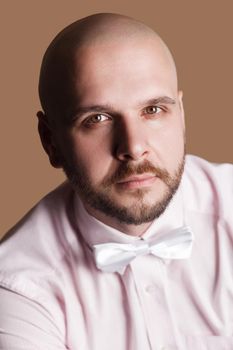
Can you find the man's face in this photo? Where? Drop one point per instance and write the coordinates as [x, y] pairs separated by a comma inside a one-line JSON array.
[[124, 150]]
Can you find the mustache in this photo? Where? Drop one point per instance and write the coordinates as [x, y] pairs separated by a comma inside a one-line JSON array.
[[128, 169]]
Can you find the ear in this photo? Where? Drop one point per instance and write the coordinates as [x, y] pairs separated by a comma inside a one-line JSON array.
[[180, 100], [47, 140]]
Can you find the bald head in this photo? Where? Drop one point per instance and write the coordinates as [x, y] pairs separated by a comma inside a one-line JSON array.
[[61, 60]]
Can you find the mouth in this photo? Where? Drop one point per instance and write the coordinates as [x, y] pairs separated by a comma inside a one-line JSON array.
[[137, 181]]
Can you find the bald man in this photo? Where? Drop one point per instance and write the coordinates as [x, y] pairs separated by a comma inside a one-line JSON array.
[[134, 250]]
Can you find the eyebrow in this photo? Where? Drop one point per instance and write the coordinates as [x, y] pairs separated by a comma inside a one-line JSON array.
[[162, 99], [107, 107]]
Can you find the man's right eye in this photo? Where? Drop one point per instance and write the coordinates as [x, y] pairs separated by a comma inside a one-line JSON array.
[[97, 118]]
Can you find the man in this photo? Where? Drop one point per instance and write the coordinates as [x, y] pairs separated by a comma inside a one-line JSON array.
[[135, 250]]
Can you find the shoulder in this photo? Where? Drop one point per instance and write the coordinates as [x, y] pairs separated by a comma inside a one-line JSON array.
[[207, 169], [208, 186], [32, 252]]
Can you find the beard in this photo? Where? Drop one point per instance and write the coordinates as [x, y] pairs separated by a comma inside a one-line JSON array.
[[100, 197]]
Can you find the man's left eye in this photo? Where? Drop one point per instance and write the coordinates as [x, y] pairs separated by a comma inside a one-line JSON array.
[[153, 110]]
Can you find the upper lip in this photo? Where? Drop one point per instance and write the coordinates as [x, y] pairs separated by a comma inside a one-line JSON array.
[[137, 178]]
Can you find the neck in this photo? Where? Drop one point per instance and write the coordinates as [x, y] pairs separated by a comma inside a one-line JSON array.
[[128, 229]]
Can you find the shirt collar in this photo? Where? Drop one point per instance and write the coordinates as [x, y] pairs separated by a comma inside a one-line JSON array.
[[96, 232]]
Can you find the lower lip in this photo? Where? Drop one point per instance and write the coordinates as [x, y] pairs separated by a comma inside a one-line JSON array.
[[130, 185]]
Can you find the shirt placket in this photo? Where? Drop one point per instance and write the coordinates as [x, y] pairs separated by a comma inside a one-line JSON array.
[[149, 274]]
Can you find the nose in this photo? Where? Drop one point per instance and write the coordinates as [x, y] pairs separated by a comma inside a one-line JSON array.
[[131, 141]]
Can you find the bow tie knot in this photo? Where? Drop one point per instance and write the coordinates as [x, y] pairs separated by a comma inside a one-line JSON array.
[[114, 257], [140, 248]]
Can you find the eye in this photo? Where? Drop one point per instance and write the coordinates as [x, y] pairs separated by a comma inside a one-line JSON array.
[[97, 118], [153, 110]]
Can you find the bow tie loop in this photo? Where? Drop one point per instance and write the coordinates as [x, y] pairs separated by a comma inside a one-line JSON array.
[[114, 257]]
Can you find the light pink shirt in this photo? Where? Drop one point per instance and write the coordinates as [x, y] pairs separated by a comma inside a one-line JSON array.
[[52, 296]]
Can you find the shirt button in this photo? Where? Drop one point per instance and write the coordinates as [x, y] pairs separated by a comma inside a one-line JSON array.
[[150, 289]]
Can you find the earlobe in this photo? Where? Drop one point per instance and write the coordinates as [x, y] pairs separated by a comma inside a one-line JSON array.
[[47, 139]]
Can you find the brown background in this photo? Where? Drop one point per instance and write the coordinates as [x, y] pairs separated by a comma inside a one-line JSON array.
[[199, 34]]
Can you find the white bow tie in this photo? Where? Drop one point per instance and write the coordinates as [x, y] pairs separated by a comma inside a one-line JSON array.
[[114, 257]]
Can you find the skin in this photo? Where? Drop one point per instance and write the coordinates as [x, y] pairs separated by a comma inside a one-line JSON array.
[[120, 130]]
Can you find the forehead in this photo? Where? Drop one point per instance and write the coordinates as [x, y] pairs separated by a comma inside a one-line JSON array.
[[106, 71]]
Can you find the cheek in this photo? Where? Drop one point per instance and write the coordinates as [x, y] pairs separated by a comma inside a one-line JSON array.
[[171, 146], [92, 155], [176, 147]]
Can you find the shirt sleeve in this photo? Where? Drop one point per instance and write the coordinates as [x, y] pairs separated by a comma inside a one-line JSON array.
[[26, 325]]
